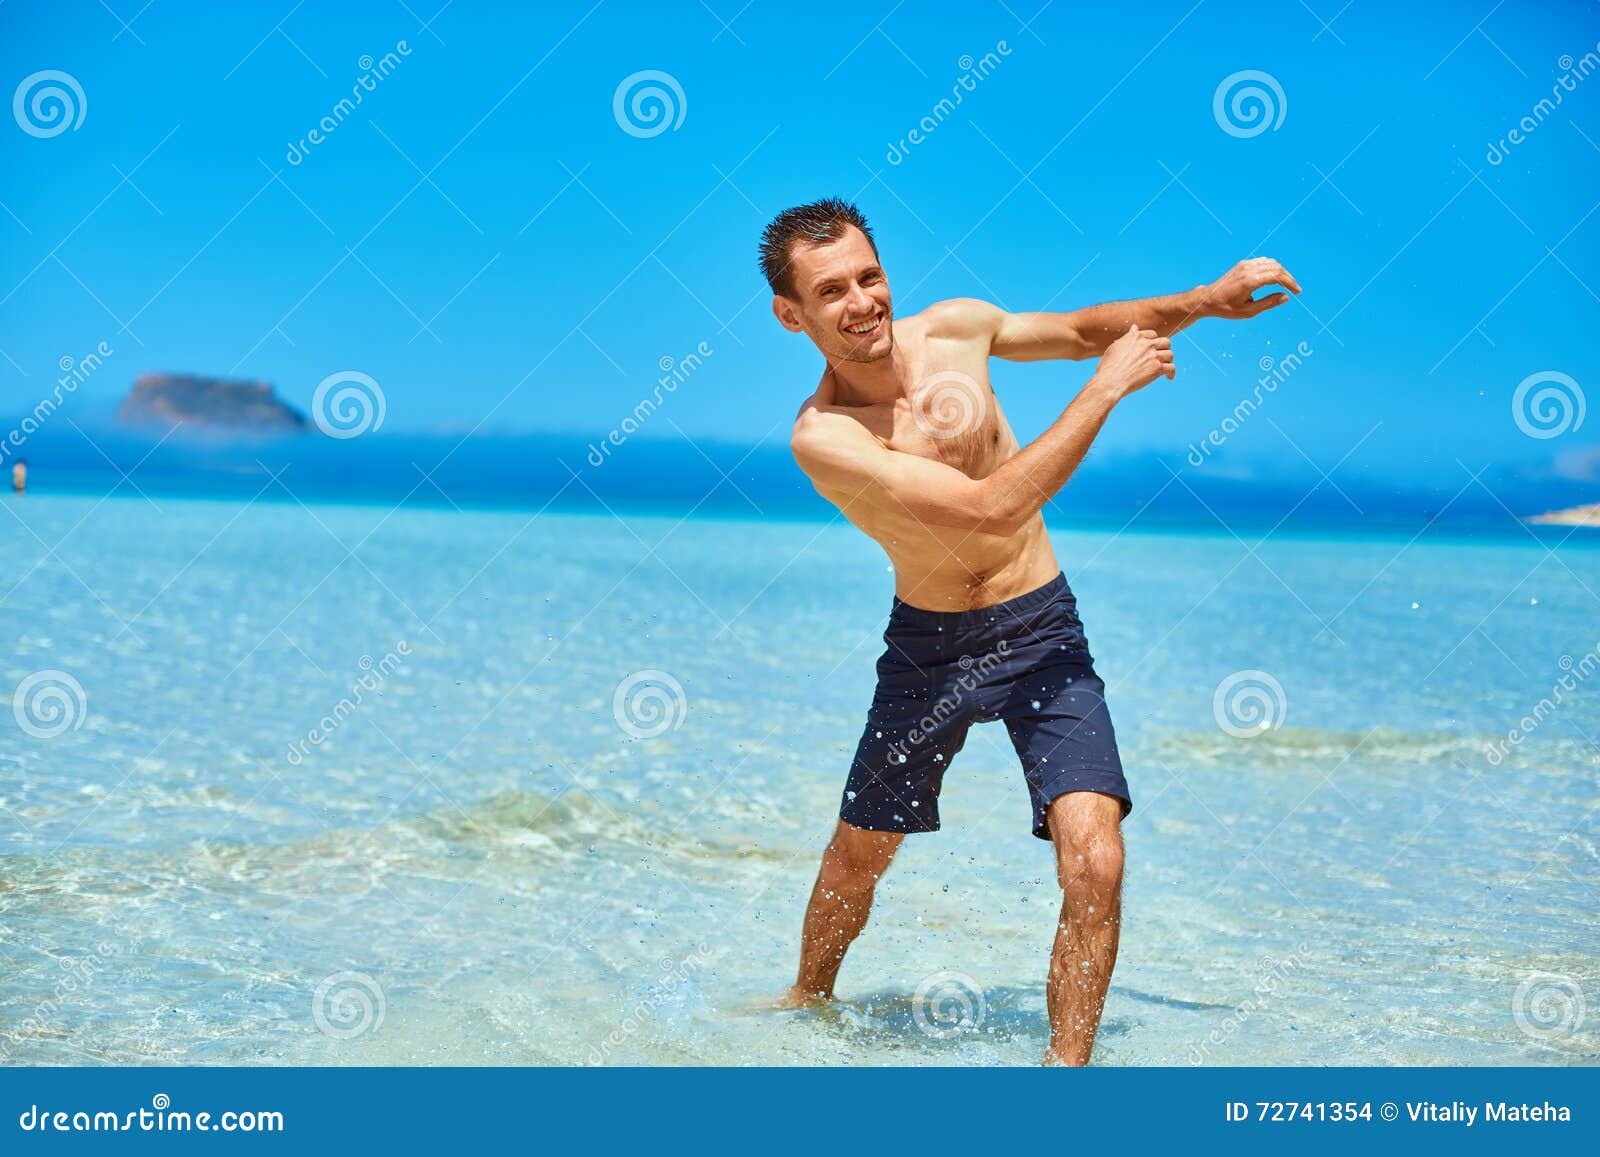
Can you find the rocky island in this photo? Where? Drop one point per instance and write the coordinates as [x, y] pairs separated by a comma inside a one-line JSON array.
[[213, 405], [1576, 516]]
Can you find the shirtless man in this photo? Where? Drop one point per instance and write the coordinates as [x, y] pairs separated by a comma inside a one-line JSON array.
[[906, 438]]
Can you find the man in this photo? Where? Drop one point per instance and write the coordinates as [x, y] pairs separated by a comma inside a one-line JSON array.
[[906, 438]]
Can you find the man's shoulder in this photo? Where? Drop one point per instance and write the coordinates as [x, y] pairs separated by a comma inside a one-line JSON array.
[[961, 318], [818, 423]]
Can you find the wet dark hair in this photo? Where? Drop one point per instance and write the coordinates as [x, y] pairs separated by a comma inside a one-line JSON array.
[[814, 224]]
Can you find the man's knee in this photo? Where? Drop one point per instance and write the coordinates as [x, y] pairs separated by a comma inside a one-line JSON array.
[[1086, 828], [857, 858]]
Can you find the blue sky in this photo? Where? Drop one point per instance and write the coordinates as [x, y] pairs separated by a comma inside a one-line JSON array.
[[484, 239]]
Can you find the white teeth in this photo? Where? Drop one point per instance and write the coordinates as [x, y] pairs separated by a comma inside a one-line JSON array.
[[865, 328]]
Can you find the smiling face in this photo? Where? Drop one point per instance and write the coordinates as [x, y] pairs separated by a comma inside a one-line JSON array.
[[841, 299]]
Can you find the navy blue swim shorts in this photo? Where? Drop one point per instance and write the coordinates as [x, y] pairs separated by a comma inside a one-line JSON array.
[[1024, 661]]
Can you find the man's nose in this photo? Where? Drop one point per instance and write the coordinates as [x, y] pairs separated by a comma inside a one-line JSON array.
[[861, 301]]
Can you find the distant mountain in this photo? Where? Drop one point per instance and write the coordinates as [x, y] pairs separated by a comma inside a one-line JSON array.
[[209, 404]]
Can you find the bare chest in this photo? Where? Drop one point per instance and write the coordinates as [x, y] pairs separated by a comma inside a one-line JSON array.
[[949, 415]]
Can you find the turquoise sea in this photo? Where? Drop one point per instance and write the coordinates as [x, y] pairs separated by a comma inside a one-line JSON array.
[[339, 784]]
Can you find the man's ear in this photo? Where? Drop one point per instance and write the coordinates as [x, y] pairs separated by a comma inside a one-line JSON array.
[[783, 310]]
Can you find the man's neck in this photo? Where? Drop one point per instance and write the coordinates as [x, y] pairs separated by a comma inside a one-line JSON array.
[[876, 383]]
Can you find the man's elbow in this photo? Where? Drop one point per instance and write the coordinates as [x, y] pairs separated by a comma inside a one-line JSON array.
[[991, 512]]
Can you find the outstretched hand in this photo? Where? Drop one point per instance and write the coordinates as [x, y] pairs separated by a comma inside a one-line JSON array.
[[1233, 294]]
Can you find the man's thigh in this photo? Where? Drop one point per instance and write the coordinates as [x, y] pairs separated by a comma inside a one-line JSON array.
[[1061, 729]]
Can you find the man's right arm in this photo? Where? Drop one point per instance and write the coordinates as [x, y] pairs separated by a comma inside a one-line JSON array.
[[841, 457]]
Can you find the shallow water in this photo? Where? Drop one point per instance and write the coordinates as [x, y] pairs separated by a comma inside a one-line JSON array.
[[478, 864]]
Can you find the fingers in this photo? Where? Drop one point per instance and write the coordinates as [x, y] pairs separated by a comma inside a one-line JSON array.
[[1261, 271], [1271, 301]]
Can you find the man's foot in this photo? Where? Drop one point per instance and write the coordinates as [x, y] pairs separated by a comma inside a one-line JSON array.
[[798, 997]]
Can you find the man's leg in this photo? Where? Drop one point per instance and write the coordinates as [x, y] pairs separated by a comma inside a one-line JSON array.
[[854, 862], [1086, 829]]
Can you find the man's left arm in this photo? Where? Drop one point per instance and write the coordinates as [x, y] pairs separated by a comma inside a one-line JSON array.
[[1085, 333]]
